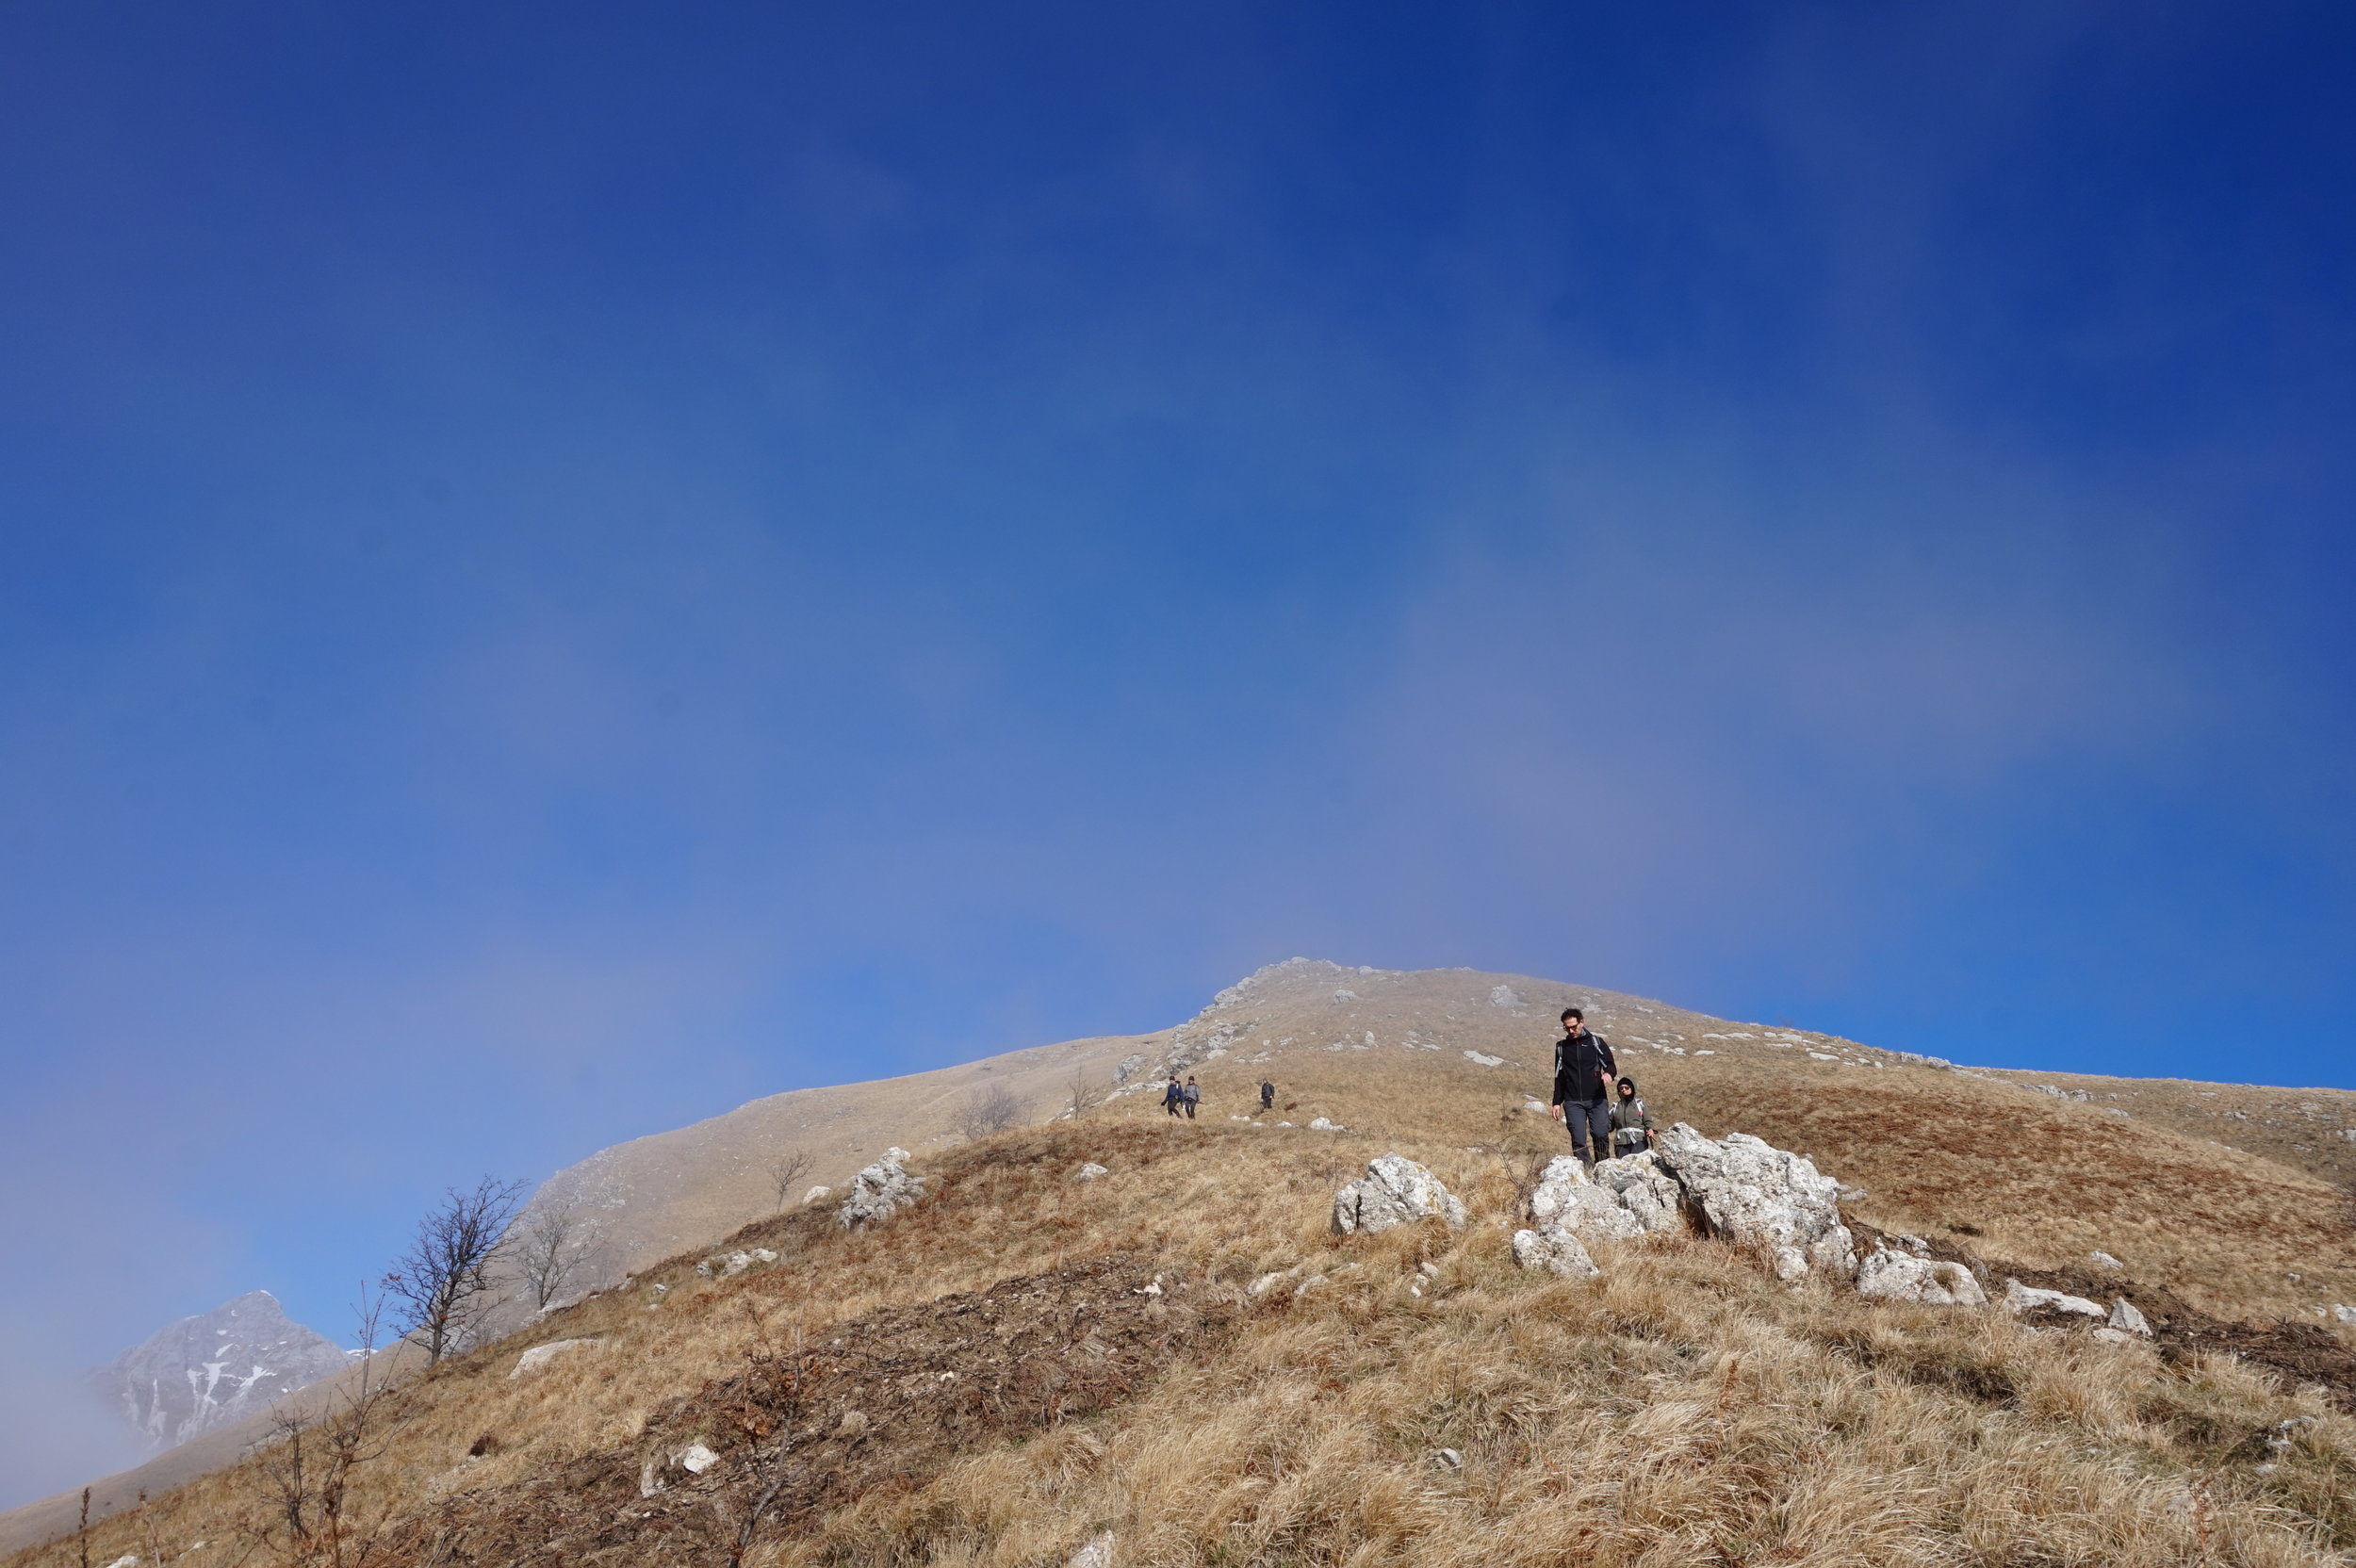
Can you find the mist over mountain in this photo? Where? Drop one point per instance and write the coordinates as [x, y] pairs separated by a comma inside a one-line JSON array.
[[217, 1367]]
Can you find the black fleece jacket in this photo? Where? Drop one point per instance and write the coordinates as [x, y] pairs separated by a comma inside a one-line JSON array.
[[1579, 1063]]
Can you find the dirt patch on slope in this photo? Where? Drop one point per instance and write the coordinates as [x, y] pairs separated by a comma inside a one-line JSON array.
[[877, 1406]]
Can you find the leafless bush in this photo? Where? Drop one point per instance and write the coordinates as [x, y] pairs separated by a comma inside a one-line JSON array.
[[552, 1247], [992, 1112], [442, 1281], [306, 1467], [786, 1172], [782, 1374], [1083, 1094]]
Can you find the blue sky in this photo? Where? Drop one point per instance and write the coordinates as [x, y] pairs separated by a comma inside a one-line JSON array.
[[562, 568]]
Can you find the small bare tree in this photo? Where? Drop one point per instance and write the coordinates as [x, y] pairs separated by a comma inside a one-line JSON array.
[[552, 1246], [786, 1172], [441, 1282], [1083, 1094], [992, 1112], [308, 1466]]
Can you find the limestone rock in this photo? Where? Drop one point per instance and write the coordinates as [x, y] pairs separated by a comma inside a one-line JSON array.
[[728, 1265], [1394, 1191], [540, 1355], [2103, 1260], [1761, 1197], [1889, 1276], [1090, 1172], [2345, 1316], [1650, 1195], [1556, 1249], [1320, 1124], [816, 1193], [2127, 1319], [880, 1191], [694, 1459], [2020, 1298], [1098, 1553]]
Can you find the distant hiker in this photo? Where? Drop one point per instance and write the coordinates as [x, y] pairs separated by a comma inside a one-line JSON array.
[[1632, 1124], [1173, 1096], [1193, 1096], [1583, 1070], [1267, 1095]]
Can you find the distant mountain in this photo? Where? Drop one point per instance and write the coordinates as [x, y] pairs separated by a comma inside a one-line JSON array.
[[217, 1367]]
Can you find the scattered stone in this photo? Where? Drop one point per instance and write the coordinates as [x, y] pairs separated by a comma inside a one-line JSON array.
[[1267, 1283], [1756, 1195], [1890, 1275], [1394, 1191], [2103, 1260], [816, 1193], [2345, 1316], [1555, 1249], [1449, 1458], [1098, 1553], [880, 1191], [2020, 1298], [728, 1265], [2125, 1318], [1538, 1105], [694, 1459], [540, 1355], [1320, 1124], [1484, 1059], [2109, 1335], [650, 1480], [1090, 1172], [1502, 996], [128, 1559], [852, 1427]]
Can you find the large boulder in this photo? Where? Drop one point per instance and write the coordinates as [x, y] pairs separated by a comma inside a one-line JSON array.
[[1892, 1276], [1554, 1250], [880, 1191], [1756, 1195], [1395, 1191], [1568, 1198]]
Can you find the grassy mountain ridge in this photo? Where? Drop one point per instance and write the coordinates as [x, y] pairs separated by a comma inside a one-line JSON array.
[[1685, 1405]]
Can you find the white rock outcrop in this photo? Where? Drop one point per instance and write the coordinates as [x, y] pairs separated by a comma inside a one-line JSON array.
[[1320, 1124], [1090, 1172], [1756, 1195], [816, 1193], [1891, 1276], [1556, 1250], [728, 1265], [1620, 1200], [880, 1191], [2344, 1315], [2020, 1298], [540, 1355], [1395, 1191], [2126, 1319]]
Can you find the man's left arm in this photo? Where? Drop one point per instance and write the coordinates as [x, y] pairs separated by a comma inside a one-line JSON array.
[[1610, 1063]]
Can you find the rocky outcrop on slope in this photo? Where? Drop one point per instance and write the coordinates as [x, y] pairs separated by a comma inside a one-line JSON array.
[[1755, 1195], [880, 1191], [1395, 1191], [1887, 1275], [217, 1368]]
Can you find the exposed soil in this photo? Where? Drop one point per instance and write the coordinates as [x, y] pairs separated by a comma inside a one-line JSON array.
[[879, 1407]]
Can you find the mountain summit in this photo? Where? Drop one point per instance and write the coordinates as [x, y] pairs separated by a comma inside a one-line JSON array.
[[217, 1368]]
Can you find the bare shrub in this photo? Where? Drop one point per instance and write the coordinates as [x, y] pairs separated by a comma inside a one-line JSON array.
[[991, 1112], [1082, 1094], [552, 1247], [441, 1282], [786, 1172], [306, 1470]]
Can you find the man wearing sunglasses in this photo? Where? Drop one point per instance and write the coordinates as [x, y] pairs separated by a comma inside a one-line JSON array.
[[1583, 1073]]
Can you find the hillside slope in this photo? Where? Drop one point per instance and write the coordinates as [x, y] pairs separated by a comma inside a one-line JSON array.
[[1020, 1383]]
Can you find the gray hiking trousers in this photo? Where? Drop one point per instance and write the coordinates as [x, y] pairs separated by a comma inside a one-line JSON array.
[[1589, 1127]]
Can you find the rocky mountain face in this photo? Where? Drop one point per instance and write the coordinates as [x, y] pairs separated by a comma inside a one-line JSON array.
[[217, 1368]]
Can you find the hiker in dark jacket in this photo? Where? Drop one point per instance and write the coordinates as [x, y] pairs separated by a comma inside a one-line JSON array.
[[1267, 1095], [1173, 1096], [1583, 1072], [1193, 1096], [1632, 1124]]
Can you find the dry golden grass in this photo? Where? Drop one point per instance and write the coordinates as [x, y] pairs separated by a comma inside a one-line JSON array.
[[1686, 1407]]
